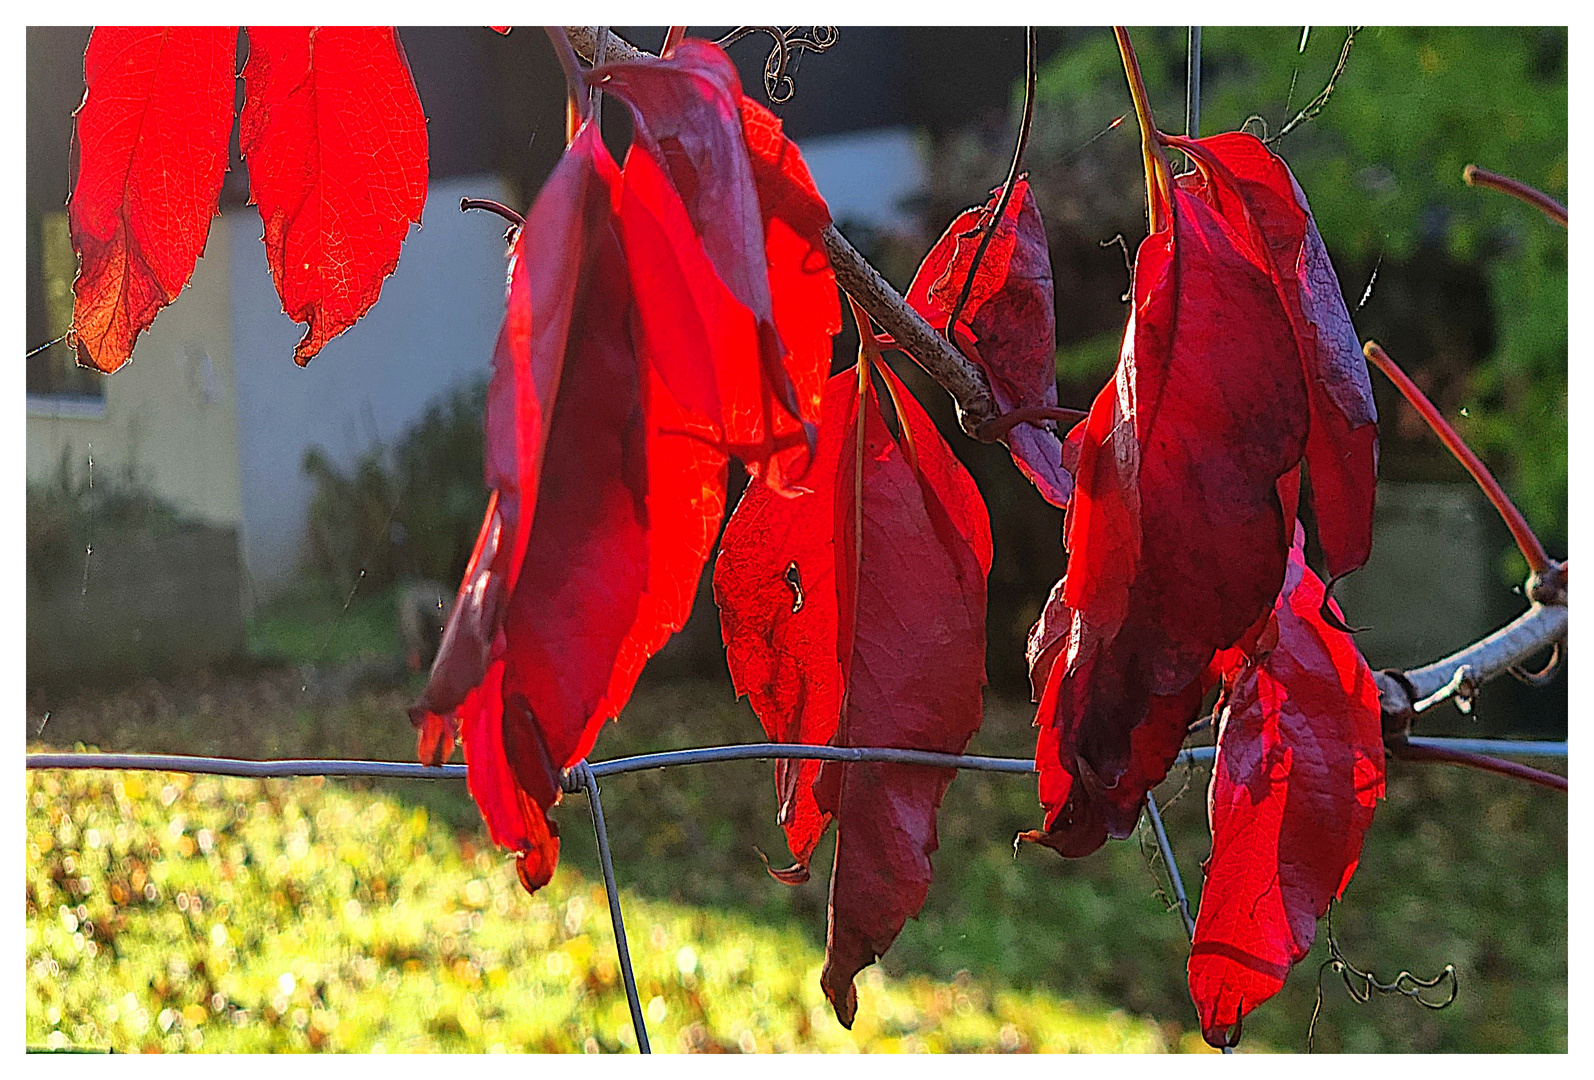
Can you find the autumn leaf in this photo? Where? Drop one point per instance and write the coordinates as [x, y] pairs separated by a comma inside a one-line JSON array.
[[566, 242], [1300, 767], [1253, 189], [335, 140], [802, 285], [608, 490], [854, 615], [1176, 532], [152, 138], [688, 119], [1007, 324]]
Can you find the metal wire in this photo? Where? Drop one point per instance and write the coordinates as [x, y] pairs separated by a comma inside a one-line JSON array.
[[401, 770], [1173, 865], [583, 776]]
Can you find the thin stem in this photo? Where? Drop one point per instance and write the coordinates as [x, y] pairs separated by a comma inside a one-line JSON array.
[[673, 36], [1159, 177], [577, 104], [496, 207], [988, 230], [1406, 751], [1538, 559], [1315, 106], [1476, 177], [997, 428]]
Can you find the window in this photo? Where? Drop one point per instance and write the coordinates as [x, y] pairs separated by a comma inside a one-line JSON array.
[[54, 371]]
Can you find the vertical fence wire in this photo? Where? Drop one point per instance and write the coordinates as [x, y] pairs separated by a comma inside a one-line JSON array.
[[1173, 866], [582, 776]]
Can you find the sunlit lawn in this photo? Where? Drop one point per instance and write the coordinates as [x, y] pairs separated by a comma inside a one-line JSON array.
[[169, 912], [398, 926]]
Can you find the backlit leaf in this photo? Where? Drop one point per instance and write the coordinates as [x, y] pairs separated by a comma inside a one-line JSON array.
[[152, 150], [854, 615], [335, 140], [1008, 323], [1300, 767]]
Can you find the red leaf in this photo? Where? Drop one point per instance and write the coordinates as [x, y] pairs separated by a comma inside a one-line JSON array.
[[152, 137], [1253, 189], [802, 286], [1176, 534], [607, 494], [814, 626], [567, 238], [1300, 767], [688, 121], [1008, 323], [336, 144]]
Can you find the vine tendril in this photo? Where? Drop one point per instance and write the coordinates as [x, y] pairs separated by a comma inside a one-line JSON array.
[[778, 85], [1362, 985]]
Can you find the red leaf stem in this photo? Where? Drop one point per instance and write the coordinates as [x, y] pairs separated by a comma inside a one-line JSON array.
[[1538, 559], [1476, 177], [1408, 751]]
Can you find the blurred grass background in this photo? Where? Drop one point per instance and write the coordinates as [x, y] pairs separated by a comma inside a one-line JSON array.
[[398, 926]]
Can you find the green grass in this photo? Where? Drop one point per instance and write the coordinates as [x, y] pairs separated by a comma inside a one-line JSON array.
[[310, 625], [172, 913], [1459, 867]]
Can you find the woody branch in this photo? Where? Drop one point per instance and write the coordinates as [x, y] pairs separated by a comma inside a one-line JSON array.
[[1543, 625]]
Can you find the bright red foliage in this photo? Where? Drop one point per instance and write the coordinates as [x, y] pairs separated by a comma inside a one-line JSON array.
[[1299, 769], [1238, 363], [152, 139], [689, 120], [1176, 536], [1253, 189], [622, 353], [854, 615], [1008, 323], [566, 232], [336, 144]]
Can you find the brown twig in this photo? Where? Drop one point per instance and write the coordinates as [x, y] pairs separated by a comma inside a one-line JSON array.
[[990, 227], [1538, 560], [1404, 750], [1159, 176], [1530, 633], [959, 375], [1476, 177]]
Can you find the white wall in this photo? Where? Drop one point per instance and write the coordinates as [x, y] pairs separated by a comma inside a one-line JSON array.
[[867, 176], [433, 327]]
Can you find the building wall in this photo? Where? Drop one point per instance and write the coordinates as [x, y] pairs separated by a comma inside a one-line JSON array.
[[434, 326], [168, 419]]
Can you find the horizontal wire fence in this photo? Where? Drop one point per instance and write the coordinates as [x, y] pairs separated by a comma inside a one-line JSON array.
[[583, 777]]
